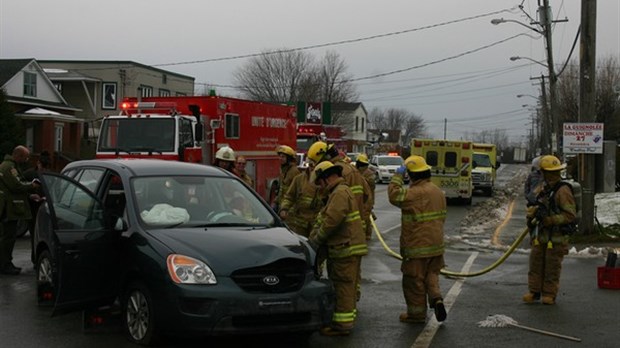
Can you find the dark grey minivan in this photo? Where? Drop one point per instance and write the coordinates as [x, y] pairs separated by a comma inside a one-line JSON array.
[[183, 248]]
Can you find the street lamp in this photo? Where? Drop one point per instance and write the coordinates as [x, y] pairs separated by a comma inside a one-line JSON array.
[[497, 21], [546, 20], [513, 58]]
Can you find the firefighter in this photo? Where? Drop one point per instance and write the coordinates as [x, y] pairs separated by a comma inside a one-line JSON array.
[[240, 163], [288, 171], [302, 203], [423, 213], [551, 221], [363, 166], [533, 181], [225, 158], [320, 152], [339, 229]]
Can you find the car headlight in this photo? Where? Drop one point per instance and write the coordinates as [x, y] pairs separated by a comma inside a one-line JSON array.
[[187, 270]]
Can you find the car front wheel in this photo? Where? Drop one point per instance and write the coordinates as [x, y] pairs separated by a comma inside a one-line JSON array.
[[45, 279], [139, 315]]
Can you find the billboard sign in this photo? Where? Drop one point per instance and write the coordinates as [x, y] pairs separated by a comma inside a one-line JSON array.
[[583, 138]]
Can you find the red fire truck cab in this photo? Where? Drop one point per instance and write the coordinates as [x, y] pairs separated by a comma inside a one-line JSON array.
[[192, 129]]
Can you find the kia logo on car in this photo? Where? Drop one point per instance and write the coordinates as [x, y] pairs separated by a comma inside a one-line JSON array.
[[271, 280]]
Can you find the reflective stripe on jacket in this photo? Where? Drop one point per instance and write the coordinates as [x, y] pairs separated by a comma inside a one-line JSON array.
[[339, 224], [423, 213]]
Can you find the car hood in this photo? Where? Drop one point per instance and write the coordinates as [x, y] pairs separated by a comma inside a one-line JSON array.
[[228, 249]]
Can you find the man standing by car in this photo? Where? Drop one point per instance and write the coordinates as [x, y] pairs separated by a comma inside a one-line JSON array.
[[423, 208], [339, 228], [14, 204]]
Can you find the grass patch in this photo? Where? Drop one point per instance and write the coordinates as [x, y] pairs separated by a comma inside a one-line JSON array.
[[608, 234]]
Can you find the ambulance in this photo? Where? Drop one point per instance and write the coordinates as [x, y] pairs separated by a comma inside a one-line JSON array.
[[451, 162], [485, 167]]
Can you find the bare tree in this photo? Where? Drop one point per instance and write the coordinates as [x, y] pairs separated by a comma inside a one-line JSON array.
[[607, 94], [280, 77], [277, 77], [410, 124], [495, 136]]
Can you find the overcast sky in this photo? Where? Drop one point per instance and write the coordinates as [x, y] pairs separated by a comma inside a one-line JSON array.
[[441, 59]]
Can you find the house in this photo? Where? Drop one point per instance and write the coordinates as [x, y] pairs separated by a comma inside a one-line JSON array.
[[354, 118], [98, 87], [50, 121]]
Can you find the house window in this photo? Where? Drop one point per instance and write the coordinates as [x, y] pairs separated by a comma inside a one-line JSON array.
[[109, 95], [146, 91], [30, 84], [164, 92], [232, 126], [357, 120], [363, 124], [58, 137], [164, 79]]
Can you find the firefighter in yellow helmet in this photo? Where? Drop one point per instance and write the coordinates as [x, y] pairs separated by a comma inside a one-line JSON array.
[[338, 227], [288, 171], [225, 158], [423, 213], [301, 203], [550, 225], [319, 152], [362, 164]]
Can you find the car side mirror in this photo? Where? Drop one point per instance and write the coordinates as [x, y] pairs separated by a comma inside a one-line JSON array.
[[497, 165], [474, 164]]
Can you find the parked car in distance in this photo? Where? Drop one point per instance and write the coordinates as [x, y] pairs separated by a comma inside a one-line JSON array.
[[386, 166], [183, 248]]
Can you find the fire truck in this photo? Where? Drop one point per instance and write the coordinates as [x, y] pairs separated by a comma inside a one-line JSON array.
[[451, 163], [192, 129]]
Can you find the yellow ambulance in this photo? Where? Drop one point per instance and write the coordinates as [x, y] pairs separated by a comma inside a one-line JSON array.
[[485, 167], [451, 162]]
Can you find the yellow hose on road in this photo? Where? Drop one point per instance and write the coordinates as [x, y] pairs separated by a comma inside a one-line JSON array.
[[445, 272]]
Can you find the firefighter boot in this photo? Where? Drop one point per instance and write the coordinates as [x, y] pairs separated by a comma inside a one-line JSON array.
[[440, 310], [531, 297], [406, 318], [548, 300], [332, 331]]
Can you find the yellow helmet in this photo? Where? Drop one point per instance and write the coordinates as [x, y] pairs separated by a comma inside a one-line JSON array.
[[225, 153], [362, 158], [551, 163], [416, 164], [317, 151], [287, 150], [323, 170]]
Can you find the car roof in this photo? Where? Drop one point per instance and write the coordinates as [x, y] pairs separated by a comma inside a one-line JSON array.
[[145, 167]]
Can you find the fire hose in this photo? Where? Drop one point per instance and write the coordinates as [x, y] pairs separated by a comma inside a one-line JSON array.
[[455, 274]]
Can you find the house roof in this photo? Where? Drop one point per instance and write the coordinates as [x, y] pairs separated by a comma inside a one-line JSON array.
[[347, 106], [10, 68], [126, 63], [67, 75]]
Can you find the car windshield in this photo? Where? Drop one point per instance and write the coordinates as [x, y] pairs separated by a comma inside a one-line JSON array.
[[191, 201], [390, 161], [482, 160]]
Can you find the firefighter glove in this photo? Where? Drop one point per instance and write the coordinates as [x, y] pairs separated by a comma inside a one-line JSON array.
[[531, 211], [401, 170], [531, 223]]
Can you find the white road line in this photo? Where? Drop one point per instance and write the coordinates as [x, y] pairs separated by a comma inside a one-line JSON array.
[[426, 336]]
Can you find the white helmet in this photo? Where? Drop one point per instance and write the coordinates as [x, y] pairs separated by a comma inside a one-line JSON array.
[[225, 153], [536, 163]]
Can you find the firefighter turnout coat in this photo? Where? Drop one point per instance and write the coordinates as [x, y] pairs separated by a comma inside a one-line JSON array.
[[302, 202], [423, 207]]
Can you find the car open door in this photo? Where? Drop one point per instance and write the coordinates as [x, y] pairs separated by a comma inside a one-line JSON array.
[[86, 247]]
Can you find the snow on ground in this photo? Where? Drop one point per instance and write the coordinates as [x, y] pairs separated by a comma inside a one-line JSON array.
[[478, 226]]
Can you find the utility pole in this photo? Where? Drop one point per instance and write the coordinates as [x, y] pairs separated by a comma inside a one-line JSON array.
[[546, 20], [587, 108]]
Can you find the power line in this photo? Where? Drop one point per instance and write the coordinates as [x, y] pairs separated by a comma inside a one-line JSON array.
[[336, 43]]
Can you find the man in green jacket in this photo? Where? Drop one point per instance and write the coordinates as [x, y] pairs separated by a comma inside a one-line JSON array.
[[14, 204]]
